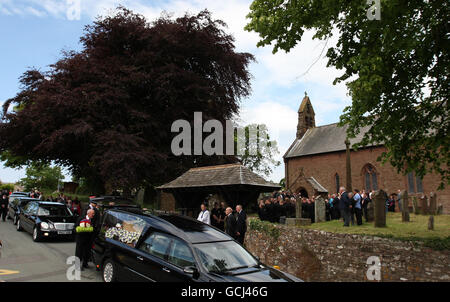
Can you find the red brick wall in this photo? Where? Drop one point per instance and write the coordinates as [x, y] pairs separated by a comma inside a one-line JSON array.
[[323, 168]]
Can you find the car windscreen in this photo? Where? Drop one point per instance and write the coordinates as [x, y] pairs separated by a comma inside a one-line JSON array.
[[50, 210], [220, 257]]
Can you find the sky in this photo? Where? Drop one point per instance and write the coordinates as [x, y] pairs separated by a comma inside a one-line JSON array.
[[34, 32]]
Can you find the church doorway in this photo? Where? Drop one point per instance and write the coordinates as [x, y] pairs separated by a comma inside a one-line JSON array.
[[303, 192]]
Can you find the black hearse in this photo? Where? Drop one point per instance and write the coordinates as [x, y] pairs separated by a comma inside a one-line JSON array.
[[138, 246], [44, 219]]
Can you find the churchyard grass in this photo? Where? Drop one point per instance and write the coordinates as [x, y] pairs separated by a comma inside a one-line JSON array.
[[395, 228]]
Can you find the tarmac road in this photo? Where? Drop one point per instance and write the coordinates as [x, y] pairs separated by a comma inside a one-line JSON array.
[[21, 259]]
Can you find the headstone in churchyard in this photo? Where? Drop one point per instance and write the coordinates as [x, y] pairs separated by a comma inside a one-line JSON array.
[[440, 209], [431, 223], [415, 206], [298, 207], [405, 207], [140, 197], [319, 209], [424, 205], [298, 220], [380, 208], [433, 200]]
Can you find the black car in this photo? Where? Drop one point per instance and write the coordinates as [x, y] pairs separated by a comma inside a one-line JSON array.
[[15, 206], [135, 246], [44, 219]]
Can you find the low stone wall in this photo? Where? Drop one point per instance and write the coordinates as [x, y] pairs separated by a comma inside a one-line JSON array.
[[323, 256]]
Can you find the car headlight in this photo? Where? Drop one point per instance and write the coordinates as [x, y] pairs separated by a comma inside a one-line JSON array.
[[44, 225]]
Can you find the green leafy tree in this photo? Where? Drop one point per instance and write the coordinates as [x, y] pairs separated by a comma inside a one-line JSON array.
[[396, 69], [42, 177], [8, 187], [257, 152], [283, 183]]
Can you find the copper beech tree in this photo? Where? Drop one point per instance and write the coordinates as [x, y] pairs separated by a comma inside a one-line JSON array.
[[105, 112]]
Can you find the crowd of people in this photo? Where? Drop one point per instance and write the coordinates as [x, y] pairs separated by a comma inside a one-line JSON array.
[[234, 223], [342, 205]]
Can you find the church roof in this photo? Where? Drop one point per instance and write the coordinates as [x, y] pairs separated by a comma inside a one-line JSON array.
[[323, 139], [221, 175], [316, 185]]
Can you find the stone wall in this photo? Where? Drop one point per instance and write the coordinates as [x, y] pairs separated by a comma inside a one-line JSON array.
[[322, 256], [323, 168]]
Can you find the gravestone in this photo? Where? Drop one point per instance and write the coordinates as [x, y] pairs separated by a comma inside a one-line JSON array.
[[405, 206], [424, 205], [440, 209], [298, 207], [380, 208], [431, 223], [433, 208], [415, 206], [298, 220], [319, 209]]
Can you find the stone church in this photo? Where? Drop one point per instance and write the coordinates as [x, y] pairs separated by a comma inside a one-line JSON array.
[[315, 163]]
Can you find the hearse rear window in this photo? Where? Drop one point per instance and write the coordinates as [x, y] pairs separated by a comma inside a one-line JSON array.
[[123, 227]]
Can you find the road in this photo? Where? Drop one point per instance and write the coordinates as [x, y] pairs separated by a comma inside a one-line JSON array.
[[21, 259]]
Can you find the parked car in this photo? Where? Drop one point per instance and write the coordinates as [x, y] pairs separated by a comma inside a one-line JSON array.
[[16, 205], [134, 246], [19, 194], [44, 219]]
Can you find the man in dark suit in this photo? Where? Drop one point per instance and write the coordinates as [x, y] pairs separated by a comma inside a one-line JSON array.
[[230, 222], [4, 205], [345, 205], [241, 224], [84, 238], [96, 219]]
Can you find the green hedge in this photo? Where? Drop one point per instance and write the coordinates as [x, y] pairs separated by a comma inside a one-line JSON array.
[[264, 227]]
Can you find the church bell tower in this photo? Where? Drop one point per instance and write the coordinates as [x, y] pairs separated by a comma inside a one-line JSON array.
[[306, 119]]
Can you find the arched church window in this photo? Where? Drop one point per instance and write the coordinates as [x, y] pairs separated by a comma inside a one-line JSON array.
[[370, 178], [414, 183]]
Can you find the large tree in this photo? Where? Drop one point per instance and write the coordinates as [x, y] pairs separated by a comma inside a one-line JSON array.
[[396, 68], [106, 111]]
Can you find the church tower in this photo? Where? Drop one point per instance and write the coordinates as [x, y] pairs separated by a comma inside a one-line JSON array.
[[306, 118]]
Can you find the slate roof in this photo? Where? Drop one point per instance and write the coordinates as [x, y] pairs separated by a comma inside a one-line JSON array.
[[221, 175], [323, 139], [316, 185]]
